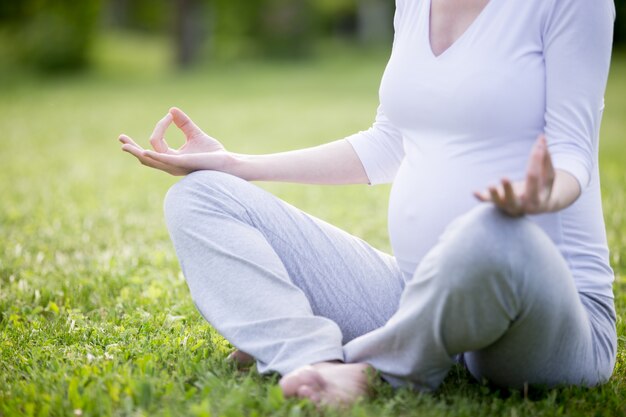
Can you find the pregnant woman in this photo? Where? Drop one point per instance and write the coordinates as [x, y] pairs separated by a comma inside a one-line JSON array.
[[488, 127]]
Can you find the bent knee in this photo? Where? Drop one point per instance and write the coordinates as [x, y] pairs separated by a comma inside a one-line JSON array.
[[488, 225], [486, 232], [484, 243], [178, 198], [201, 192]]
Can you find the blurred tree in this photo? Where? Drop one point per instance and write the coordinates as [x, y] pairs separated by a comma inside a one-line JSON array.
[[368, 21], [51, 35], [118, 12], [188, 31], [144, 15], [336, 17], [375, 20], [271, 28], [185, 20], [285, 28], [236, 27]]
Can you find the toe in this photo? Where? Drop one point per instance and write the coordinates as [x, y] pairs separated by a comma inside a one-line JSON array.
[[306, 391], [290, 384], [305, 376]]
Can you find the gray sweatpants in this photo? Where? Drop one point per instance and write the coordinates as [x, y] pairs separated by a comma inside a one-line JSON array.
[[292, 290]]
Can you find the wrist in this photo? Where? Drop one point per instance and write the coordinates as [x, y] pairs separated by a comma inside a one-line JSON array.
[[241, 166]]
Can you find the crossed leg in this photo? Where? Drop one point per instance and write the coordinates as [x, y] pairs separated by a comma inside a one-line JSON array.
[[282, 286], [497, 290]]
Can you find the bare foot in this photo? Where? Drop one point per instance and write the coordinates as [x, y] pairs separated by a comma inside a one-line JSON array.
[[240, 359], [331, 383]]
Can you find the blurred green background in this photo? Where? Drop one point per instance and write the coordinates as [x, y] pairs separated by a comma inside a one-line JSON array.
[[95, 316], [62, 35]]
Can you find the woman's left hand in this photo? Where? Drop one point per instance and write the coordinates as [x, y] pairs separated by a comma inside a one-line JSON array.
[[532, 196]]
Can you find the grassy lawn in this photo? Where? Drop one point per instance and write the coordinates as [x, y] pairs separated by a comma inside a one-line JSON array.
[[95, 316]]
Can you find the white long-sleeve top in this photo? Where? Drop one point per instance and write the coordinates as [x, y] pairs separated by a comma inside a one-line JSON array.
[[456, 123]]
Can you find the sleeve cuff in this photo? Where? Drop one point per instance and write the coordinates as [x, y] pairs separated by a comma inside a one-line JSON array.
[[361, 143], [575, 167]]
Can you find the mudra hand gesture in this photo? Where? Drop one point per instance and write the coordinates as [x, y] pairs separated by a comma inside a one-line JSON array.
[[536, 194], [200, 150]]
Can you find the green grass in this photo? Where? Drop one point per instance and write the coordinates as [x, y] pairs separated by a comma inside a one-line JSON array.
[[95, 316]]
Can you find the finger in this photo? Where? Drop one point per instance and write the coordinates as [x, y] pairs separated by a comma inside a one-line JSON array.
[[482, 196], [133, 150], [496, 198], [127, 140], [184, 123], [138, 153], [189, 162], [509, 194], [179, 161], [510, 198], [157, 139]]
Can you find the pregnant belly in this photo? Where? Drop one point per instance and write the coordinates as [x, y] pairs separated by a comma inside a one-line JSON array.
[[424, 200]]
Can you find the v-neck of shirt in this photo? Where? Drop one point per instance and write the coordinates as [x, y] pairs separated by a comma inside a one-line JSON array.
[[466, 33]]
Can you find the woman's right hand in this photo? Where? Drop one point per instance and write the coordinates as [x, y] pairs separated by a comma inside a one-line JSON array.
[[332, 163], [200, 151]]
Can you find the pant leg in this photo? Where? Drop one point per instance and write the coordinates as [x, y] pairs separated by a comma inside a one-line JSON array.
[[497, 290], [279, 284]]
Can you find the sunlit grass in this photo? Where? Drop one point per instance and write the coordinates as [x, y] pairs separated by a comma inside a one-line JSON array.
[[95, 317]]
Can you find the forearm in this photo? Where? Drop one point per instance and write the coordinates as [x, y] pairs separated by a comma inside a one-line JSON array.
[[331, 163], [565, 191]]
